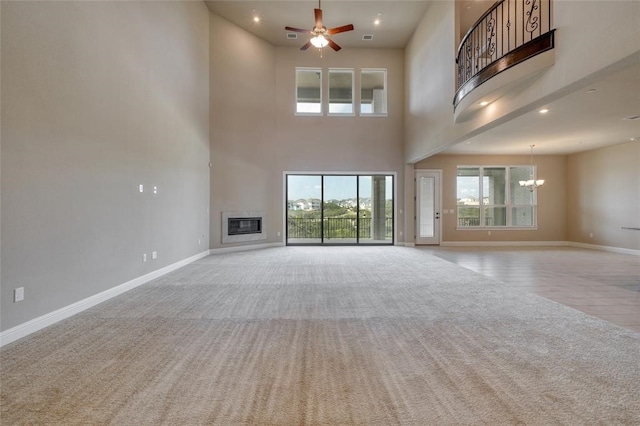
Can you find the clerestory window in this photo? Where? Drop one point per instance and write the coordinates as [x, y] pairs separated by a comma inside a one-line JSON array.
[[339, 87]]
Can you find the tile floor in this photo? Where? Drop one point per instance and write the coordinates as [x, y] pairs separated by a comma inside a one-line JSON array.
[[603, 284]]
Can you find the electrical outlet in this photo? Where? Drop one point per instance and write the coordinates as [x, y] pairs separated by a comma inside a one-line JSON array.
[[154, 255], [141, 188], [278, 234], [488, 232], [591, 234], [18, 294], [144, 257]]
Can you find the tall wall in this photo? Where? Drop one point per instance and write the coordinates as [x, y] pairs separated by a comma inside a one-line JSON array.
[[97, 99], [255, 136], [430, 81], [243, 125], [340, 144], [604, 196], [551, 198]]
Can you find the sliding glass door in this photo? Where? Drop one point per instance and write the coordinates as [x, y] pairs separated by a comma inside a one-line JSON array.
[[339, 209]]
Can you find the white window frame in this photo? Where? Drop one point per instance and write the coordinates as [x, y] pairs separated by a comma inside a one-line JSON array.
[[508, 204], [386, 92]]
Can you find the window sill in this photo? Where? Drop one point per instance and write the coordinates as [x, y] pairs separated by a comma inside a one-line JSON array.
[[373, 115], [308, 114]]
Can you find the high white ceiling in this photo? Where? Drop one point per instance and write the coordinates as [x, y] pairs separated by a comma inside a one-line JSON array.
[[398, 19], [583, 120]]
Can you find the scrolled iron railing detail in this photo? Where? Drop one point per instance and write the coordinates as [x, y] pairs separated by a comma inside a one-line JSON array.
[[508, 33], [532, 20], [491, 31]]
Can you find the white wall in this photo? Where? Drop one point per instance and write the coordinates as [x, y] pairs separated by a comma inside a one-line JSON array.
[[98, 98], [430, 83]]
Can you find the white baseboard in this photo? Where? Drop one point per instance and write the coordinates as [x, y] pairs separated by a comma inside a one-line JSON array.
[[408, 244], [606, 248], [503, 243], [244, 248], [51, 318]]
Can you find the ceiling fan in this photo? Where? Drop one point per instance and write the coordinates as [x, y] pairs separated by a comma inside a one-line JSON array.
[[320, 34]]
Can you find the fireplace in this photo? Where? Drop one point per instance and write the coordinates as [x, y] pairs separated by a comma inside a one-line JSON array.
[[243, 226]]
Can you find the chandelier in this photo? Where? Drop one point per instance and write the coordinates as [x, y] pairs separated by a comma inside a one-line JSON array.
[[532, 184]]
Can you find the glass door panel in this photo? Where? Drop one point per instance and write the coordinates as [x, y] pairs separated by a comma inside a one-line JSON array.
[[340, 209], [426, 187], [427, 207], [304, 212]]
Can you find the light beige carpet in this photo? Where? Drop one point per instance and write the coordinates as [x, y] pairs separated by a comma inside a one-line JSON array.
[[324, 336]]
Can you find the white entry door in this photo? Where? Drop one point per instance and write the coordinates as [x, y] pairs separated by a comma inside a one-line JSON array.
[[428, 206]]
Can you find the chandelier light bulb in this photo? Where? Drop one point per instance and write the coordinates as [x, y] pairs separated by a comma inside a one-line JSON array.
[[531, 184]]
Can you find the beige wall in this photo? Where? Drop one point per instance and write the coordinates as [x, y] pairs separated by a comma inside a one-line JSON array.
[[98, 98], [604, 196], [255, 136], [552, 217], [243, 125]]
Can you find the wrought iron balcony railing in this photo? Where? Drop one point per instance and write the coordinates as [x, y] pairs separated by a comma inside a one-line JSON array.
[[510, 32], [333, 227]]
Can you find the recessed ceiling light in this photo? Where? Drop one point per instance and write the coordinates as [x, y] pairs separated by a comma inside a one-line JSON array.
[[377, 21], [543, 111], [635, 138], [484, 103], [256, 19], [633, 117], [591, 90]]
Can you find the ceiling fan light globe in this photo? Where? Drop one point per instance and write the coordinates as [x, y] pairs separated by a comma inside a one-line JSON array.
[[319, 41]]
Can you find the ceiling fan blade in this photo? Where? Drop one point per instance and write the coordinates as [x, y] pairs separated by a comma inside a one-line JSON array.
[[318, 16], [306, 46], [297, 30], [340, 29], [333, 45]]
